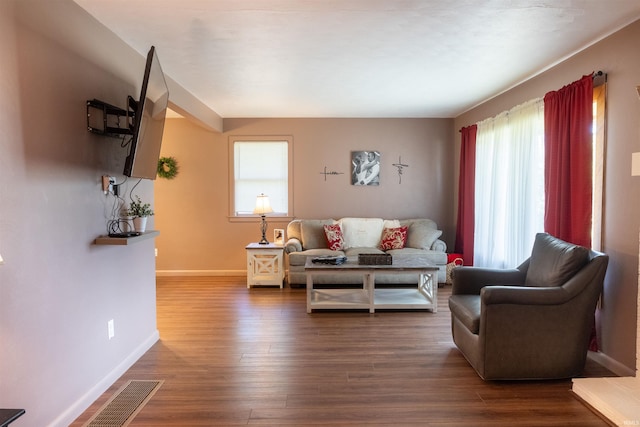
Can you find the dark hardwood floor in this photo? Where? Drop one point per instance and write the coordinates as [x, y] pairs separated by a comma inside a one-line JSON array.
[[233, 356]]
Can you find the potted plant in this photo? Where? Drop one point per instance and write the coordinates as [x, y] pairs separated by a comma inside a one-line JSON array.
[[140, 212]]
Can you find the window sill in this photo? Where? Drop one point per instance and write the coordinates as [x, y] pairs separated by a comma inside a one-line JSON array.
[[255, 218]]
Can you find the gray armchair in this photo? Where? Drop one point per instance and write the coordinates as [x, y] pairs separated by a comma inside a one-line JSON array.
[[531, 322]]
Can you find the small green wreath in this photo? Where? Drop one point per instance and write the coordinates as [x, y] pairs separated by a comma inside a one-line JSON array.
[[167, 167]]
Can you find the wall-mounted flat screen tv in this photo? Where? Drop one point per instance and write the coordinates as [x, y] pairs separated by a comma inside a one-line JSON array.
[[148, 121]]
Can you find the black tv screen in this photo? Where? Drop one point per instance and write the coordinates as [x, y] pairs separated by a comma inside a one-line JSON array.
[[148, 122]]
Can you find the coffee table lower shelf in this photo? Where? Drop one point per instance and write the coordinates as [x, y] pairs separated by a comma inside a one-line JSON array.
[[355, 299], [422, 297], [336, 299], [401, 298]]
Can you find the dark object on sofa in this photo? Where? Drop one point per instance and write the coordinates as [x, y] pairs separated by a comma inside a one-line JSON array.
[[333, 260], [531, 322]]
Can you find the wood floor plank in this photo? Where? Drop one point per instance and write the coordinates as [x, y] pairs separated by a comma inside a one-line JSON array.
[[235, 356]]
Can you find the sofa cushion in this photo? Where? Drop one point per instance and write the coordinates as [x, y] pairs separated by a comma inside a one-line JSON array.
[[335, 239], [361, 232], [422, 234], [294, 230], [437, 258], [554, 261], [466, 308], [393, 238], [312, 231], [354, 252]]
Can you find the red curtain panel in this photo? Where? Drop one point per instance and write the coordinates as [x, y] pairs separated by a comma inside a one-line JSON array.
[[466, 194], [568, 121]]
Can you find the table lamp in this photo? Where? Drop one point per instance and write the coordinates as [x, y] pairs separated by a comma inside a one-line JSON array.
[[263, 207]]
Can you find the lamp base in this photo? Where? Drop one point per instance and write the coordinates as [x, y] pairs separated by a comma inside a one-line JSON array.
[[263, 228]]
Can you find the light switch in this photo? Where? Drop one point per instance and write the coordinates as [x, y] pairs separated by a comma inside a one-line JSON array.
[[1, 260], [635, 164]]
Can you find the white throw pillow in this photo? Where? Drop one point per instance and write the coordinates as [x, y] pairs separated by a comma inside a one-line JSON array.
[[391, 223], [362, 232]]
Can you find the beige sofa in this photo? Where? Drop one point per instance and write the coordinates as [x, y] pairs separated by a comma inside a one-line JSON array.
[[307, 238]]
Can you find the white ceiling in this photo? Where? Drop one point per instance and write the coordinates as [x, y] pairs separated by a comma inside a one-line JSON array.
[[357, 58]]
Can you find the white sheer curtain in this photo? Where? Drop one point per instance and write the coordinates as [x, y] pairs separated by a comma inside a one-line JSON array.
[[509, 185]]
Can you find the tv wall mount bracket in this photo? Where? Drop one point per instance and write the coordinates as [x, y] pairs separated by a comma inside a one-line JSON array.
[[109, 120]]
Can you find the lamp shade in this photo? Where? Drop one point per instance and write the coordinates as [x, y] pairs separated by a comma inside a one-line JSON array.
[[262, 205]]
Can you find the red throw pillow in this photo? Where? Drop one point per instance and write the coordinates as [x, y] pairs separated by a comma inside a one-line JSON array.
[[393, 238], [335, 238]]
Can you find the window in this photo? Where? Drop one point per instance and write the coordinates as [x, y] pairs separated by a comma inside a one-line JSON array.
[[599, 114], [260, 165], [509, 190]]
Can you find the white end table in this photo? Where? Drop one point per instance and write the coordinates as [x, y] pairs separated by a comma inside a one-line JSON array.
[[264, 265]]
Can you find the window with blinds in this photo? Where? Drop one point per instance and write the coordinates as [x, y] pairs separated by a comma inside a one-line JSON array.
[[261, 165]]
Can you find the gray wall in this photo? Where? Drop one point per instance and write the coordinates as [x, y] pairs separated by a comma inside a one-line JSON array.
[[57, 289]]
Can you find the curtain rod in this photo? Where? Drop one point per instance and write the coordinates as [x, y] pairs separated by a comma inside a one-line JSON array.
[[599, 78]]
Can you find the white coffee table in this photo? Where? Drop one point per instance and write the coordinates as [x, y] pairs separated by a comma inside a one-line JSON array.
[[331, 297]]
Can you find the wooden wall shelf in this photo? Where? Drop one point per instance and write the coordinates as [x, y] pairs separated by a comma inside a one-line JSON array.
[[123, 241]]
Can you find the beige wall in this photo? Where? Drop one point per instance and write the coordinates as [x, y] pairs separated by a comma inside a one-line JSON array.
[[192, 210], [618, 57]]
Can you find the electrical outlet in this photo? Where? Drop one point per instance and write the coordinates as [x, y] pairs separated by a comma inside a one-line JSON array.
[[635, 164], [111, 329], [107, 183]]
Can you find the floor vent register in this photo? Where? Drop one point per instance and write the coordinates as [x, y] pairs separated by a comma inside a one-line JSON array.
[[121, 409]]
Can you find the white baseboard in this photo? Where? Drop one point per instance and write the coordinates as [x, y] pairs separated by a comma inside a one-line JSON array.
[[611, 364], [201, 273], [81, 405]]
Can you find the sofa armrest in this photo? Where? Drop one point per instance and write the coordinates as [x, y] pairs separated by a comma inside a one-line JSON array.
[[471, 280], [523, 295], [293, 245], [439, 246]]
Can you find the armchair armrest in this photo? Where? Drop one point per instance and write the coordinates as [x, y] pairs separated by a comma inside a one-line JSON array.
[[471, 280], [293, 245], [523, 295]]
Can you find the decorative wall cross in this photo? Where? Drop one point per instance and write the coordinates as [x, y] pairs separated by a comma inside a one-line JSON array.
[[400, 166], [326, 172]]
